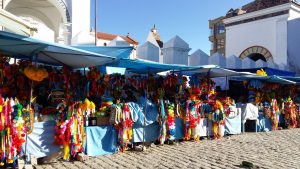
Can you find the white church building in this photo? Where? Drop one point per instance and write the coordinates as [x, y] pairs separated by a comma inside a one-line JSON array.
[[267, 30], [63, 21]]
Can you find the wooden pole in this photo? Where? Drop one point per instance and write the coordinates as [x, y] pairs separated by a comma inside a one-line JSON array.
[[95, 22]]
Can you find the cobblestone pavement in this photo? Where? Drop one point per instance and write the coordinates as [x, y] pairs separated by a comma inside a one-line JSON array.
[[277, 149]]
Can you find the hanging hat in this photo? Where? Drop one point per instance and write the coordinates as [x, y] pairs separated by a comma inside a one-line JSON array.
[[106, 101], [266, 104]]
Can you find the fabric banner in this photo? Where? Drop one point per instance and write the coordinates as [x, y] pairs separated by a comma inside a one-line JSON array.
[[139, 114], [40, 142], [100, 140], [152, 131], [263, 123], [233, 125]]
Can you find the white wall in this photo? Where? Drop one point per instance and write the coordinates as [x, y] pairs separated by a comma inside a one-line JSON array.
[[175, 56], [294, 41], [49, 16], [198, 58], [80, 21], [270, 33], [100, 42], [44, 33], [148, 51]]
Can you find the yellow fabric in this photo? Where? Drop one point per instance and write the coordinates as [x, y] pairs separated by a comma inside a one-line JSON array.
[[66, 152]]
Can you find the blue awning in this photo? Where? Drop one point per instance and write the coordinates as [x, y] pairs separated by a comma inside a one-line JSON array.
[[294, 79], [269, 71], [27, 48], [114, 51], [144, 66], [270, 79]]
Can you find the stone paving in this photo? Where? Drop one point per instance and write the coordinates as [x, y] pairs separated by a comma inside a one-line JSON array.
[[277, 149]]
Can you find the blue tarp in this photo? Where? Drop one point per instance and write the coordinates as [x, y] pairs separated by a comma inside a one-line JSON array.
[[295, 79], [114, 51], [269, 71], [270, 79], [40, 142], [23, 47], [144, 66], [263, 123], [100, 140], [138, 112], [233, 125], [152, 131]]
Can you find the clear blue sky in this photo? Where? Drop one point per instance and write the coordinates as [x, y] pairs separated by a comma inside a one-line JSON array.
[[186, 18]]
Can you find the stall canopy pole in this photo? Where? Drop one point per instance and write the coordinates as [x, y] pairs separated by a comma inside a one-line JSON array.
[[34, 59], [145, 111], [207, 128], [2, 28], [226, 85], [95, 22]]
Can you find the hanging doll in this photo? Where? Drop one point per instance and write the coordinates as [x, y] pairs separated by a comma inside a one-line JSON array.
[[218, 120], [290, 113], [274, 114]]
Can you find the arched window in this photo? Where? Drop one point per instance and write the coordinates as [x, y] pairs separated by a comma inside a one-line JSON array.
[[257, 52]]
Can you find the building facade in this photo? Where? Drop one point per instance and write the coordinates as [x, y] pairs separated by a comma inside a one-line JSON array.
[[152, 48], [217, 36], [64, 21], [265, 30]]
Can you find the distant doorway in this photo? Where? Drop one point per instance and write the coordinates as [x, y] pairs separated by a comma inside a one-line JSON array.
[[257, 56], [257, 52]]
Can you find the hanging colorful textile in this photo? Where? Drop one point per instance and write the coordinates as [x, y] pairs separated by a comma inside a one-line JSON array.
[[171, 122], [93, 76], [70, 129], [28, 117], [162, 122], [123, 123], [12, 130], [192, 120]]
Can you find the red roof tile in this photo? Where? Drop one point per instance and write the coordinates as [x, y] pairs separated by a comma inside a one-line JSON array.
[[108, 36]]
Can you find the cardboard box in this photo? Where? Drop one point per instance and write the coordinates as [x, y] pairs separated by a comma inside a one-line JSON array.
[[103, 121]]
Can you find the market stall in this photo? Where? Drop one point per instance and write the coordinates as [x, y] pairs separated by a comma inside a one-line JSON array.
[[221, 114], [262, 112], [19, 81], [100, 114]]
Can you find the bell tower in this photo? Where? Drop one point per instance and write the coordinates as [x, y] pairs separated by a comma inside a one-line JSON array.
[[81, 11]]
